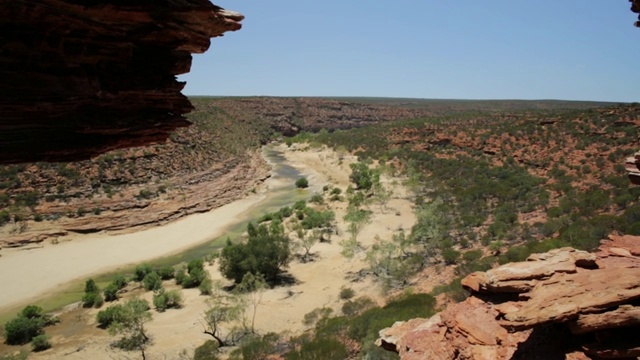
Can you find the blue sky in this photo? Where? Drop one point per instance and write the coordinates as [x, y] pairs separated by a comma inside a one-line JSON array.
[[491, 49]]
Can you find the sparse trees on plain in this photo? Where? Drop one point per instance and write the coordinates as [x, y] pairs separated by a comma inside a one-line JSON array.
[[218, 320], [130, 323]]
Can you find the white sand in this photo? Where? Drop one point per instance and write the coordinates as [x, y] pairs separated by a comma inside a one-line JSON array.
[[282, 308]]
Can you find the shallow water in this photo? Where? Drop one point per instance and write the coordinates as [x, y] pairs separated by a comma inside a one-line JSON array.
[[281, 192]]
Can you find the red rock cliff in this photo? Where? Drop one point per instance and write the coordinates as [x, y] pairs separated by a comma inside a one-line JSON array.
[[563, 304], [80, 77]]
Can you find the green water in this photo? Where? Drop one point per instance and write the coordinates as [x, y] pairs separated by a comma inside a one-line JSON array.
[[276, 198]]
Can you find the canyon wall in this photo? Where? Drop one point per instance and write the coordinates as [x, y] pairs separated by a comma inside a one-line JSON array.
[[79, 78]]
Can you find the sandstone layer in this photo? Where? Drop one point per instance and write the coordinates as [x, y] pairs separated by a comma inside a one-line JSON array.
[[561, 304], [80, 78]]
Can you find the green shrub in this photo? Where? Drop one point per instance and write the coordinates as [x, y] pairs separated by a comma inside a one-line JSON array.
[[472, 255], [112, 314], [180, 276], [120, 281], [206, 351], [357, 306], [256, 347], [166, 273], [346, 293], [29, 323], [111, 292], [40, 343], [152, 281], [21, 330], [317, 199], [141, 271], [319, 348], [302, 183], [163, 300], [266, 251], [206, 286], [92, 296], [450, 256], [90, 286], [93, 299]]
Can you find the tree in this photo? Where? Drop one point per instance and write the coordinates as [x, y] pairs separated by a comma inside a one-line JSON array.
[[130, 324], [252, 288], [223, 309], [92, 296], [357, 219], [361, 176], [265, 252], [302, 183], [381, 193], [306, 239]]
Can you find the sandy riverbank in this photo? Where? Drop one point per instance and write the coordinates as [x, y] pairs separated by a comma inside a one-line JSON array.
[[318, 283], [32, 271]]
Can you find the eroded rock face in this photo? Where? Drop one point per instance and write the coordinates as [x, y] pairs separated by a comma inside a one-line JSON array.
[[632, 165], [79, 78], [575, 304]]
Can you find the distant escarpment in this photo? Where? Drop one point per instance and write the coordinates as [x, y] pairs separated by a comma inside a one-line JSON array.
[[79, 78], [200, 167], [563, 304]]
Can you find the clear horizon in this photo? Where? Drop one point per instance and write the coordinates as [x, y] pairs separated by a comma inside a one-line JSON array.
[[500, 50]]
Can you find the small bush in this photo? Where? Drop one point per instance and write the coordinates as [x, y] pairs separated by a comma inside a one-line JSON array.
[[450, 256], [256, 347], [120, 281], [180, 276], [152, 281], [163, 300], [166, 273], [106, 317], [206, 351], [141, 271], [319, 348], [346, 293], [357, 306], [40, 343], [302, 183], [92, 299], [316, 199], [206, 286], [111, 292]]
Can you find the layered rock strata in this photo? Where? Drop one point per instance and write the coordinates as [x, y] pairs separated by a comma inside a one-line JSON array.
[[562, 304], [80, 78]]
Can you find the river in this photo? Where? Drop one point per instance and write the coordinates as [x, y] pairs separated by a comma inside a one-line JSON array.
[[54, 275]]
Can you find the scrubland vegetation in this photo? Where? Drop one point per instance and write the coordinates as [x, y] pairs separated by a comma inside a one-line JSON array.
[[488, 188]]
